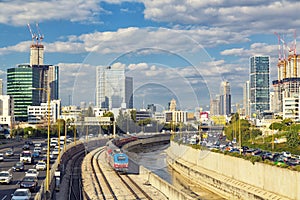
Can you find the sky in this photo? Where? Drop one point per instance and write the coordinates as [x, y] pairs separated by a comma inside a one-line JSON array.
[[171, 48]]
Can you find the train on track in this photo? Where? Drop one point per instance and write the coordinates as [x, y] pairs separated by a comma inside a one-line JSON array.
[[117, 159], [120, 142]]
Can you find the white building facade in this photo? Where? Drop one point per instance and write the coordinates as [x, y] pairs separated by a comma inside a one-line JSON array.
[[38, 114], [6, 110]]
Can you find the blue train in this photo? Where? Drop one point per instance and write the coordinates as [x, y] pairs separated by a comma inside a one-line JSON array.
[[116, 158]]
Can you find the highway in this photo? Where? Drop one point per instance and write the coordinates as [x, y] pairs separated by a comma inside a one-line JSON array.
[[8, 163]]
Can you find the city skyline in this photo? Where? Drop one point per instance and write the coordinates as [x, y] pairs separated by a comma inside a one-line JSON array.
[[172, 49]]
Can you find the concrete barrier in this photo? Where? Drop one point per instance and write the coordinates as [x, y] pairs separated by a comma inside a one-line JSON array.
[[234, 177], [163, 186], [71, 149]]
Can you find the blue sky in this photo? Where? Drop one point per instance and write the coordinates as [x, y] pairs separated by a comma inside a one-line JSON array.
[[172, 49]]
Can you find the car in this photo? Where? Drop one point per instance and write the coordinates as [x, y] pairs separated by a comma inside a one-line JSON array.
[[21, 194], [19, 166], [53, 144], [292, 162], [1, 157], [9, 153], [40, 165], [55, 151], [6, 177], [29, 142], [32, 172], [44, 148], [29, 182], [38, 144], [39, 149], [286, 154], [26, 147], [35, 154]]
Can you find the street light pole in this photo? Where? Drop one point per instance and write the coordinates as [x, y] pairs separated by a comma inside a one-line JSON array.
[[48, 138], [65, 139], [58, 142], [48, 142]]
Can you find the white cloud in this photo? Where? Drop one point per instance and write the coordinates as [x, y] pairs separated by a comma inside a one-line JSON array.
[[19, 12], [132, 38], [139, 66], [252, 16]]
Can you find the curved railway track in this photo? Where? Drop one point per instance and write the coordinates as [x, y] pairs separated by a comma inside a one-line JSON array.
[[106, 187], [75, 184], [106, 190]]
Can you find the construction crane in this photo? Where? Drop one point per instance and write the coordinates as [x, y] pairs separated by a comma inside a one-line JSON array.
[[33, 35], [36, 38], [40, 36], [281, 56]]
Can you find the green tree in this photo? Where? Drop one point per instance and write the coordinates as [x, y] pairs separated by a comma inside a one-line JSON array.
[[133, 115], [276, 126], [90, 112], [292, 139]]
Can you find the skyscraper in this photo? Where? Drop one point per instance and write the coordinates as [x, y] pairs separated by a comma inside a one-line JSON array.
[[225, 98], [246, 99], [20, 80], [259, 84], [113, 89]]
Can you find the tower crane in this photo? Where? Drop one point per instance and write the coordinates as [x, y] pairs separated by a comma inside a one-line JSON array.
[[288, 50], [40, 36], [33, 35], [36, 38]]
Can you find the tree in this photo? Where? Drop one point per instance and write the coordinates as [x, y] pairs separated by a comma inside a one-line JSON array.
[[90, 112], [276, 126], [292, 139]]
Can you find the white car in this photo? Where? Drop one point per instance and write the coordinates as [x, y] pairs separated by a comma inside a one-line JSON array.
[[38, 149], [53, 144], [32, 172], [41, 165], [1, 157], [55, 151], [38, 144], [5, 177], [21, 194]]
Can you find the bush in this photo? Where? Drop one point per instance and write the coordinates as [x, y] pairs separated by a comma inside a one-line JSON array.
[[254, 159]]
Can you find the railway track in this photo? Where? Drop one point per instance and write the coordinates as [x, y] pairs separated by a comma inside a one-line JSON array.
[[102, 182], [136, 190], [75, 184], [113, 185]]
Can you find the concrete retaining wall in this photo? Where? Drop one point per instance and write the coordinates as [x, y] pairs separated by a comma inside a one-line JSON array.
[[265, 180], [163, 186], [150, 140]]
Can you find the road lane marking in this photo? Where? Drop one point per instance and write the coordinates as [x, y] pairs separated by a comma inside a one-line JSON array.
[[4, 197]]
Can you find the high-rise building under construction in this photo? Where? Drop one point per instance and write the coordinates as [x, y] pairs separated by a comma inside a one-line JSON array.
[[22, 79], [287, 85]]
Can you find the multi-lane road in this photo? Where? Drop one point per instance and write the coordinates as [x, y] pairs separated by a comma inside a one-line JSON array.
[[9, 162]]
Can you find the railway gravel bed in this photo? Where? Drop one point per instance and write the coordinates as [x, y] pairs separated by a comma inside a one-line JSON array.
[[128, 190]]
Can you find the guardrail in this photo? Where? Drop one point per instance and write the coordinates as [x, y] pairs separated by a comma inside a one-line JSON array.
[[64, 157], [41, 194]]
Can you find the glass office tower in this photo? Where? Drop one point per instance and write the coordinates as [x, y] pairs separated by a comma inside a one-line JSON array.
[[113, 89], [259, 84], [20, 81]]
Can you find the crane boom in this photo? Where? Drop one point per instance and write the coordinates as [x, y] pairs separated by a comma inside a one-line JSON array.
[[40, 36], [33, 35]]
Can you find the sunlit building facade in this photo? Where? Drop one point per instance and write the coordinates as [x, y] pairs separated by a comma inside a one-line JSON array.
[[259, 84], [113, 88]]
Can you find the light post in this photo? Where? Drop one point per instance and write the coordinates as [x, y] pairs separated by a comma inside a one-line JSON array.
[[48, 137], [58, 142], [240, 135], [65, 139], [75, 134]]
